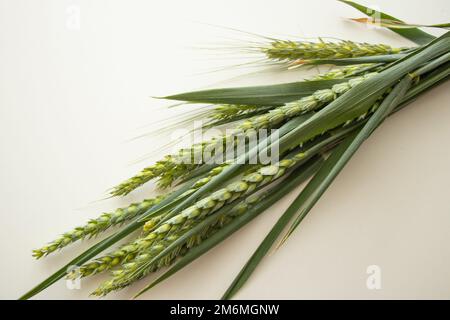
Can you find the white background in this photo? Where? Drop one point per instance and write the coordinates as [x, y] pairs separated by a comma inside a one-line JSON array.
[[72, 100]]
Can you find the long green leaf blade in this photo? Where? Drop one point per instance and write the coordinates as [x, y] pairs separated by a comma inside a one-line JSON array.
[[268, 95]]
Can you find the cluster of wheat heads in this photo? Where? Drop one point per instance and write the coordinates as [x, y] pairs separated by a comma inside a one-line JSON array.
[[319, 123]]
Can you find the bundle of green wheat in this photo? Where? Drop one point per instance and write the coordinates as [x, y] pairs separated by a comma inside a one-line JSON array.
[[319, 122]]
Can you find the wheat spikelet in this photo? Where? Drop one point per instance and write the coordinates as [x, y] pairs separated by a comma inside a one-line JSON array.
[[285, 50], [94, 226], [341, 73]]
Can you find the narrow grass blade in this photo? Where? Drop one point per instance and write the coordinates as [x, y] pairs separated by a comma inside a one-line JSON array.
[[269, 95], [297, 177], [413, 34]]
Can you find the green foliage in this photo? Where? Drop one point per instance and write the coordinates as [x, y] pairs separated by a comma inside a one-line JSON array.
[[331, 114]]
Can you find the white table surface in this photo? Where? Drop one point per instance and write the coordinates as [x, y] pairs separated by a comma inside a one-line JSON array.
[[72, 99]]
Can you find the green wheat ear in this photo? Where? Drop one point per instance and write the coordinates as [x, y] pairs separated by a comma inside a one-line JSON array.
[[95, 226], [285, 50]]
